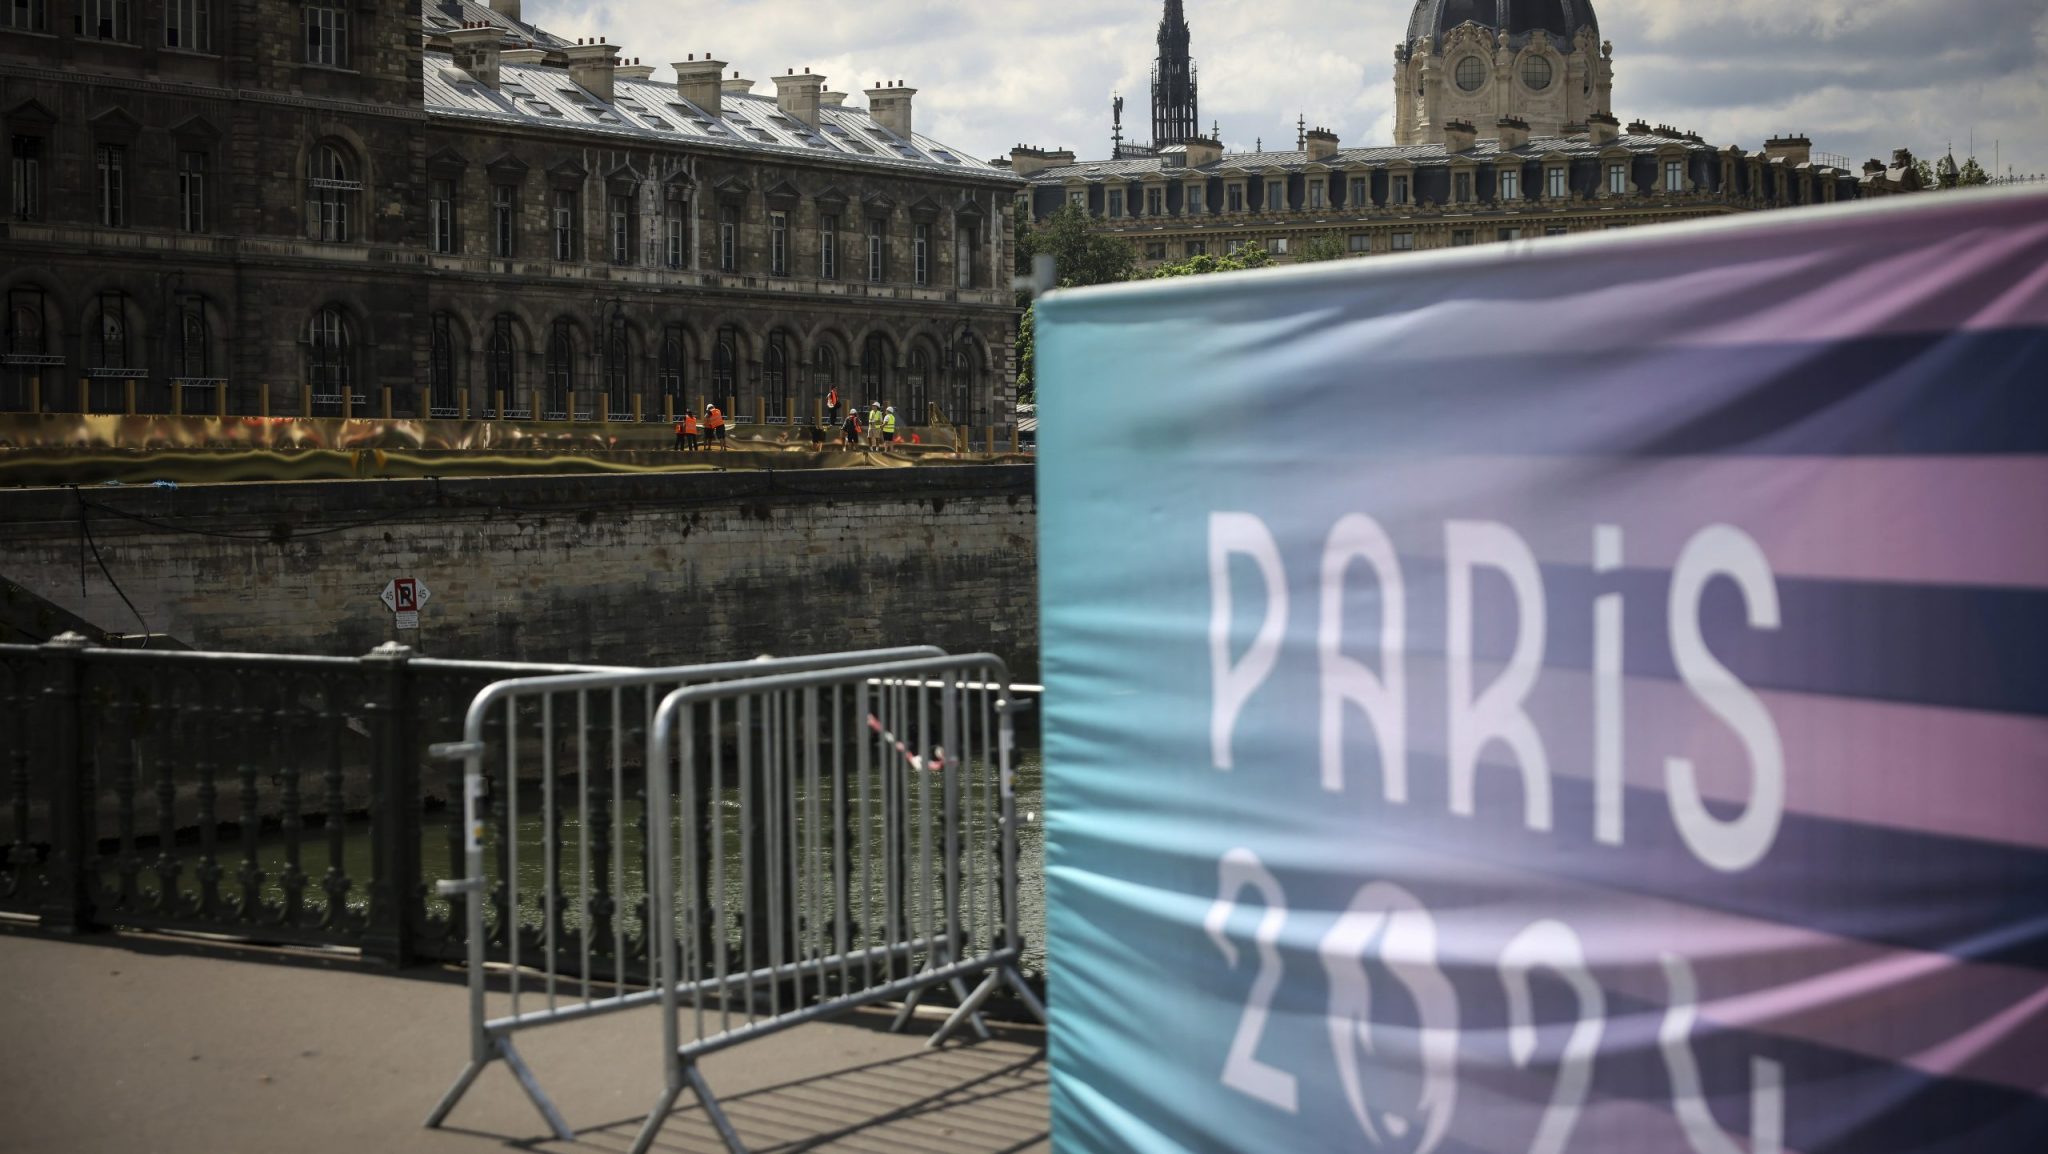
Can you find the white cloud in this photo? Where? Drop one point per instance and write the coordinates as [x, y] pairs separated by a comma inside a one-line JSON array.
[[1860, 77]]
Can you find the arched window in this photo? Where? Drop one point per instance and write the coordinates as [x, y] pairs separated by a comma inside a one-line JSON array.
[[618, 366], [672, 374], [110, 351], [329, 369], [876, 360], [917, 384], [560, 370], [725, 369], [444, 369], [192, 354], [775, 377], [824, 370], [964, 407], [331, 189], [502, 362], [28, 358]]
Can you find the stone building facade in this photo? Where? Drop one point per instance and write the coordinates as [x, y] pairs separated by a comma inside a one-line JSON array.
[[1503, 132], [259, 206]]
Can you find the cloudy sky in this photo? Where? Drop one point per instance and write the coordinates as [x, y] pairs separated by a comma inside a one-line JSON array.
[[1861, 77]]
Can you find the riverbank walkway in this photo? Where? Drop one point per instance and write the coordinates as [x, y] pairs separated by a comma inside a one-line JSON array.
[[130, 1043]]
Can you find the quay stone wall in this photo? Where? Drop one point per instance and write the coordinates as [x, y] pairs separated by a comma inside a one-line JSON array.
[[639, 570]]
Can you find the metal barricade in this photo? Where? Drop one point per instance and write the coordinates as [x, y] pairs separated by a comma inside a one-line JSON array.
[[871, 814], [569, 744]]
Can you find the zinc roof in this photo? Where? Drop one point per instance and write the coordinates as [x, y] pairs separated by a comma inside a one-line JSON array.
[[1419, 154], [542, 95], [443, 15]]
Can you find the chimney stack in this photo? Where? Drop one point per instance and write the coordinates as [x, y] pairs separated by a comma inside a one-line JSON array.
[[737, 84], [509, 9], [1322, 143], [634, 71], [1030, 161], [475, 48], [1203, 150], [1459, 136], [799, 94], [889, 105], [1795, 149], [591, 65], [832, 99], [1512, 132], [697, 82], [1603, 128]]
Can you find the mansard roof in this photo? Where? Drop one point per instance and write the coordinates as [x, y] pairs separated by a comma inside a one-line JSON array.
[[647, 112], [439, 16], [1420, 155]]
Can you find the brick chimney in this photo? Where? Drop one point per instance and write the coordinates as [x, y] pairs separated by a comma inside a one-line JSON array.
[[591, 65], [509, 9], [1030, 161], [1203, 150], [737, 84], [1459, 136], [475, 48], [1795, 149], [1322, 143], [1511, 131], [889, 105], [1603, 128], [697, 82], [798, 95]]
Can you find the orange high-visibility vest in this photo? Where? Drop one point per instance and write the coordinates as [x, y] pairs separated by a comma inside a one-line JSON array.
[[688, 426], [716, 419]]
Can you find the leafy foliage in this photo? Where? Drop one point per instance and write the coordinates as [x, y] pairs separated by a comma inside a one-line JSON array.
[[1083, 256], [1326, 246], [1250, 256]]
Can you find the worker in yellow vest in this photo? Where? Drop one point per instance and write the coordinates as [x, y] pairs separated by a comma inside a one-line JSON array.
[[889, 427]]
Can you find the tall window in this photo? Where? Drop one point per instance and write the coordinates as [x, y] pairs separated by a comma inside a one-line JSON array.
[[618, 366], [327, 360], [967, 253], [188, 24], [775, 377], [25, 173], [1674, 176], [675, 230], [1276, 196], [191, 356], [1461, 187], [1554, 182], [1155, 202], [326, 35], [824, 370], [778, 244], [624, 223], [504, 220], [565, 223], [1510, 184], [501, 363], [1398, 189], [441, 368], [331, 189], [110, 347], [961, 407], [917, 386], [729, 238], [106, 19], [25, 15], [828, 247], [110, 161], [725, 358], [441, 215], [1360, 191], [192, 191], [878, 250], [1316, 192], [1233, 198], [559, 373], [670, 370], [921, 254], [1617, 178], [1116, 203], [875, 358], [1193, 199]]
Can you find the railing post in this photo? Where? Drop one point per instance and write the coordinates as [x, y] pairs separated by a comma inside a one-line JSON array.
[[396, 887], [67, 907]]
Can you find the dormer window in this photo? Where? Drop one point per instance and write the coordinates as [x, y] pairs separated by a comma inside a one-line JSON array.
[[1316, 193], [1399, 187], [1276, 196], [1510, 184]]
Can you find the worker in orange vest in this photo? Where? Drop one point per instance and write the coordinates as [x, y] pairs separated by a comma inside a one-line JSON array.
[[715, 421], [686, 431], [832, 403]]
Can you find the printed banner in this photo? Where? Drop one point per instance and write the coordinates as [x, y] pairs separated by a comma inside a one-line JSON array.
[[1577, 695]]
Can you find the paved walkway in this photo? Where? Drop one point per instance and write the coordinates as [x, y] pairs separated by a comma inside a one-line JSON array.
[[111, 1046]]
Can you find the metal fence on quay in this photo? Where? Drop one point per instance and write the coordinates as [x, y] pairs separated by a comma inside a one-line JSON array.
[[832, 834]]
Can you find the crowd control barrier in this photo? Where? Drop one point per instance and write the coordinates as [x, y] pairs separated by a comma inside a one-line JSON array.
[[568, 750], [875, 839]]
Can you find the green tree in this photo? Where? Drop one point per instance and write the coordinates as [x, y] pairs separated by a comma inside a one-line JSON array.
[[1925, 172], [1972, 173], [1326, 246], [1082, 256], [1250, 256], [1027, 333]]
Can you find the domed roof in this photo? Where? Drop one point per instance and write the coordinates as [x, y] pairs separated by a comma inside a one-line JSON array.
[[1560, 18]]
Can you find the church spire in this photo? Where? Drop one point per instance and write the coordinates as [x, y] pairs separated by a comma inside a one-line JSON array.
[[1173, 81]]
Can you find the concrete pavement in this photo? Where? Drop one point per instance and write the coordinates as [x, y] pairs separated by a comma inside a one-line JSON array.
[[107, 1045]]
